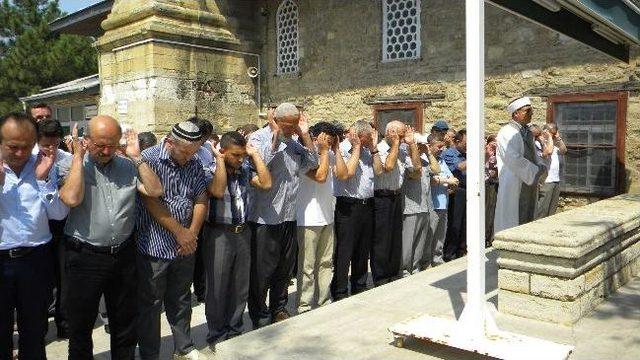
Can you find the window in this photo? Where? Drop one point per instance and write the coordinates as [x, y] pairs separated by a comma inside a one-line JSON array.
[[400, 30], [408, 112], [593, 127], [287, 36], [68, 114]]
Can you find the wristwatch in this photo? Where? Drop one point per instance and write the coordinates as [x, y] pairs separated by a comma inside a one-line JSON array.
[[138, 162]]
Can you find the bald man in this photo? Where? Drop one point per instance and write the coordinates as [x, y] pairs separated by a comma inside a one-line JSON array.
[[273, 212], [100, 254], [399, 154], [28, 199]]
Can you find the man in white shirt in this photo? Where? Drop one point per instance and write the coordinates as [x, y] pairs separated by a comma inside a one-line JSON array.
[[314, 216], [549, 192]]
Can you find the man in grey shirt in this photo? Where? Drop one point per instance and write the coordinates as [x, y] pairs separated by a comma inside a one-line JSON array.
[[100, 257], [386, 247], [273, 212], [416, 237]]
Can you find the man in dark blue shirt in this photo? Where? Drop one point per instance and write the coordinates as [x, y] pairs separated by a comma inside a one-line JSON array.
[[456, 159]]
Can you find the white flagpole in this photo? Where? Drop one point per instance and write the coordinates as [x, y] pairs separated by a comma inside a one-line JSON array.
[[474, 315]]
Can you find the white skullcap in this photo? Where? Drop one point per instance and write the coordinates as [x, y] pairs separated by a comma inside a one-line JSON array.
[[517, 104], [285, 110]]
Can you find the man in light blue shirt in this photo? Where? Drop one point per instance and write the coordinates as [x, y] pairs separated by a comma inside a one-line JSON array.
[[440, 185], [28, 201]]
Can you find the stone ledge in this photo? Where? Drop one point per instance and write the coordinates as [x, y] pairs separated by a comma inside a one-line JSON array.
[[564, 312], [559, 268]]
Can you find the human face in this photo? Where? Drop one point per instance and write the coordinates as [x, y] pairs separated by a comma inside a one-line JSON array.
[[288, 125], [524, 114], [462, 144], [41, 114], [182, 152], [17, 143], [234, 156], [103, 146], [48, 145], [366, 138]]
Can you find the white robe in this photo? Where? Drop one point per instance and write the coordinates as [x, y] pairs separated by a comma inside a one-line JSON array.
[[513, 170]]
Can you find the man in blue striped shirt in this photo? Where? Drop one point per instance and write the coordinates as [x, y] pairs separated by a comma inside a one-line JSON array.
[[168, 229], [28, 200]]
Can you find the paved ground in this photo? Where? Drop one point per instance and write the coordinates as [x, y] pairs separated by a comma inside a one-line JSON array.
[[356, 328]]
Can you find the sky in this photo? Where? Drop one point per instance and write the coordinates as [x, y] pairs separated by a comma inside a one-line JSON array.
[[74, 5]]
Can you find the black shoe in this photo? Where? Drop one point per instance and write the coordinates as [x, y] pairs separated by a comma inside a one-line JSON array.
[[62, 334], [106, 329], [280, 316]]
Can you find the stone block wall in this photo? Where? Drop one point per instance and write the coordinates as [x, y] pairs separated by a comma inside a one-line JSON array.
[[559, 268], [340, 67]]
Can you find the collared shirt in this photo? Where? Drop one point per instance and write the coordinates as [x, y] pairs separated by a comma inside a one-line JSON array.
[[453, 157], [232, 208], [393, 179], [439, 194], [62, 165], [182, 185], [26, 206], [417, 192], [107, 214], [316, 203], [359, 186], [287, 163]]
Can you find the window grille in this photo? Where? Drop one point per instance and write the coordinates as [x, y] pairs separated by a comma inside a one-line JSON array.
[[589, 130], [287, 36], [400, 30]]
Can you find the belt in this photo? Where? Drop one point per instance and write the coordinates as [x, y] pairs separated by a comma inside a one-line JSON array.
[[352, 200], [110, 250], [16, 253], [236, 229], [386, 192]]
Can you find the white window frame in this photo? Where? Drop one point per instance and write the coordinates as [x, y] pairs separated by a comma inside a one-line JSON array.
[[296, 37], [385, 38]]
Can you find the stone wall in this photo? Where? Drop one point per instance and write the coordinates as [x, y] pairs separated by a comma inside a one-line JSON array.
[[340, 53], [559, 268]]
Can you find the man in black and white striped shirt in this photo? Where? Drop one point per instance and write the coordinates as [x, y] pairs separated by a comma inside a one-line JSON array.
[[168, 228]]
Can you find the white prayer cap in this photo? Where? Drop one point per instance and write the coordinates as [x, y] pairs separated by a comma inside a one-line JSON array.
[[517, 104]]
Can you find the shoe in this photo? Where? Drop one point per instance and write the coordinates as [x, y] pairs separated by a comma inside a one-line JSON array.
[[191, 355], [280, 316], [62, 334]]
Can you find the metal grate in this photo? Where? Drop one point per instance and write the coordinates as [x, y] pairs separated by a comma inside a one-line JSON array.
[[287, 33], [589, 130], [400, 30]]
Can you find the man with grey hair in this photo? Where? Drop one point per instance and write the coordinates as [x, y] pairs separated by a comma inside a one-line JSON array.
[[168, 229], [288, 151], [549, 192], [386, 248], [354, 209]]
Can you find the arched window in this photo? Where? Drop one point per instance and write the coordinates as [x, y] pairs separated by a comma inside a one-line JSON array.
[[400, 30], [287, 37]]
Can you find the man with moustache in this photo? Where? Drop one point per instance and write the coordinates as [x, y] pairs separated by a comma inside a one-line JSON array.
[[101, 190]]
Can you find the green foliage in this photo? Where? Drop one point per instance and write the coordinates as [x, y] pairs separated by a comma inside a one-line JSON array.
[[31, 57]]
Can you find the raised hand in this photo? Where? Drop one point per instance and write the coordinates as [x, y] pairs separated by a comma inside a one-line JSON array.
[[353, 138], [133, 145], [271, 119], [374, 140], [216, 152], [251, 150], [409, 136], [78, 146], [324, 142], [303, 124], [44, 163]]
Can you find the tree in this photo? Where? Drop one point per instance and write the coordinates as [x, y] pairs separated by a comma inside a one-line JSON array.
[[33, 58]]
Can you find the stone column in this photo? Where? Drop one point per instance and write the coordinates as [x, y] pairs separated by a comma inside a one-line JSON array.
[[163, 61]]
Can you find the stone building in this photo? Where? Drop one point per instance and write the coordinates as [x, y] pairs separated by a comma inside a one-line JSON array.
[[162, 61]]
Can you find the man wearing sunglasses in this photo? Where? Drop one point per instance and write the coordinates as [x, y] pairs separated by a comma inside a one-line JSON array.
[[519, 168]]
